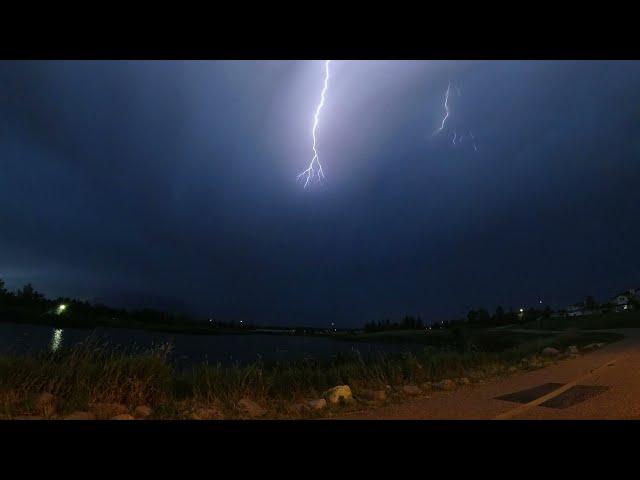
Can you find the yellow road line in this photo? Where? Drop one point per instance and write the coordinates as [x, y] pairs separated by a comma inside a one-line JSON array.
[[522, 408]]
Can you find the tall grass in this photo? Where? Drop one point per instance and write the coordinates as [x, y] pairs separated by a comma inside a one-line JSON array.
[[94, 372]]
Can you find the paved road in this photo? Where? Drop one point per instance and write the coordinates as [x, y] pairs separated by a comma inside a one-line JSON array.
[[615, 369]]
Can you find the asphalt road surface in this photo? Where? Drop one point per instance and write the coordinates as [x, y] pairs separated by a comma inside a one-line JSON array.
[[604, 384]]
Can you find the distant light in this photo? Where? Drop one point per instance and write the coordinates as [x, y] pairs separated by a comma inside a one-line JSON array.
[[61, 308], [521, 310]]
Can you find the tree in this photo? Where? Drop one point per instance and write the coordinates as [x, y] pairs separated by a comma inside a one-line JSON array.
[[3, 289], [30, 294]]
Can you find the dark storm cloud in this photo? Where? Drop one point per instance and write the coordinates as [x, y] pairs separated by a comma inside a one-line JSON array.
[[174, 182]]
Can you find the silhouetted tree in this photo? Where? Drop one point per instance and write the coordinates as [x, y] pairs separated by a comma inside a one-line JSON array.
[[29, 294]]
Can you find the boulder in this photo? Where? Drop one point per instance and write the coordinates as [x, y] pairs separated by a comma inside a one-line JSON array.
[[142, 411], [46, 404], [335, 394], [107, 410], [445, 384], [550, 352], [80, 416], [411, 390], [317, 404], [251, 408], [124, 416]]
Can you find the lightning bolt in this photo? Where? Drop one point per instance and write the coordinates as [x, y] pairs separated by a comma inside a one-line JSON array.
[[446, 109], [475, 144], [314, 170]]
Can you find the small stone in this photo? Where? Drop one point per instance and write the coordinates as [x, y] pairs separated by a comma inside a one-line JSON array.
[[46, 404], [80, 416], [378, 395], [251, 408], [426, 386], [107, 410], [463, 381], [340, 392], [317, 404], [124, 416], [592, 346], [411, 390], [142, 411], [550, 352], [445, 384], [572, 350], [512, 369]]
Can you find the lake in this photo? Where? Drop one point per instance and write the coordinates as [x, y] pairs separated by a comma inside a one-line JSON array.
[[191, 349]]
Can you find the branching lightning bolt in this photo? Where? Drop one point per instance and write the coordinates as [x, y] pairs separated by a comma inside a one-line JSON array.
[[446, 109], [456, 139], [314, 170]]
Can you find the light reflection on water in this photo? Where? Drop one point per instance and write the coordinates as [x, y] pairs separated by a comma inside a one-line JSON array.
[[188, 350], [56, 340]]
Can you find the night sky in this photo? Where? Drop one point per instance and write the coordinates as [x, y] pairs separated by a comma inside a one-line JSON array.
[[173, 185]]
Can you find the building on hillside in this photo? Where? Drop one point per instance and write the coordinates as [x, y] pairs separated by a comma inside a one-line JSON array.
[[622, 301]]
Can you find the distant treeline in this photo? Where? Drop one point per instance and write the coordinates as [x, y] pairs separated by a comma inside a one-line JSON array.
[[28, 305], [478, 316], [407, 323]]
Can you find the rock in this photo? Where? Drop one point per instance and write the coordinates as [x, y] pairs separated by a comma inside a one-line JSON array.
[[142, 411], [411, 390], [426, 386], [334, 394], [46, 404], [124, 416], [317, 404], [512, 369], [251, 408], [463, 381], [80, 416], [550, 352], [206, 413], [593, 346], [446, 384], [107, 410], [572, 350]]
